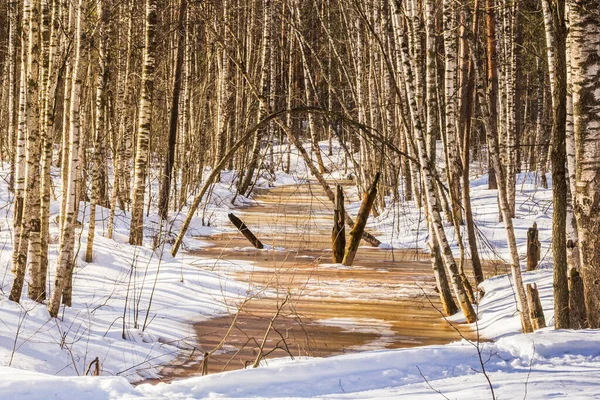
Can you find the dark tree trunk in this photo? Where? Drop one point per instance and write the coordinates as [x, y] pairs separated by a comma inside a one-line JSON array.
[[467, 84], [492, 75], [559, 176], [245, 231], [338, 234], [533, 248], [361, 220], [165, 185]]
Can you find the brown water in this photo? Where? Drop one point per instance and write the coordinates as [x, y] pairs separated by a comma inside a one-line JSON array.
[[386, 300]]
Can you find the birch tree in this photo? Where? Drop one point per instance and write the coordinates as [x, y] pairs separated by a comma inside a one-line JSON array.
[[559, 178], [428, 183], [450, 93], [264, 92], [65, 262], [584, 17], [165, 185], [102, 8], [466, 100], [136, 227], [486, 104], [29, 241], [12, 84], [432, 129], [20, 155]]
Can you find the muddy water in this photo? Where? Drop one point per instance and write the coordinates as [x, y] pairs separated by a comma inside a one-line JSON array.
[[315, 308]]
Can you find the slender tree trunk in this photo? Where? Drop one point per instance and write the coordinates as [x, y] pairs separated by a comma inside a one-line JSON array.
[[361, 220], [309, 87], [450, 92], [64, 171], [510, 21], [432, 205], [540, 134], [550, 44], [492, 76], [224, 93], [467, 99], [12, 84], [559, 178], [125, 132], [100, 129], [21, 153], [136, 228], [576, 297], [186, 125], [49, 81], [264, 88], [439, 271], [30, 240], [165, 187], [290, 95], [64, 264], [494, 151]]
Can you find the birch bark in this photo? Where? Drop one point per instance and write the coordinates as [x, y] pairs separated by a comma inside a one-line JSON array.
[[30, 240], [99, 133], [428, 183], [485, 105], [64, 264], [584, 17], [144, 124]]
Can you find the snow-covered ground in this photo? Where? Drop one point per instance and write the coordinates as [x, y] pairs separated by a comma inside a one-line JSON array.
[[133, 309], [123, 302]]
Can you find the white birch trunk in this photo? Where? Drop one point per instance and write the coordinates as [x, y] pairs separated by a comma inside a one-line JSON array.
[[21, 153], [136, 228], [494, 152], [584, 30], [99, 128], [12, 84], [450, 67], [571, 166], [29, 243], [432, 205], [65, 262]]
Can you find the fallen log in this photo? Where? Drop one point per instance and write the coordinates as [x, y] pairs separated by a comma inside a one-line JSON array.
[[361, 220], [338, 233], [245, 231]]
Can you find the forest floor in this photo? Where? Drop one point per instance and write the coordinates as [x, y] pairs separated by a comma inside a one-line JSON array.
[[137, 310]]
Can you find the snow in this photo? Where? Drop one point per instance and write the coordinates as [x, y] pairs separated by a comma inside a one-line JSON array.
[[43, 358], [405, 227], [122, 302]]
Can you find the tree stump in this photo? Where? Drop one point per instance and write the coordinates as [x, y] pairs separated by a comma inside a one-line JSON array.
[[536, 312], [245, 231], [533, 248], [577, 316], [338, 233], [361, 220]]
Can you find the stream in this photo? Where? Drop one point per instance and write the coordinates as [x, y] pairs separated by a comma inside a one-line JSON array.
[[310, 307]]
